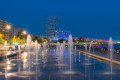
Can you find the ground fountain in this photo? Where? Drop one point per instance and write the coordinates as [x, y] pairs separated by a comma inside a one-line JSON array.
[[18, 55], [55, 68], [58, 49], [63, 45], [87, 58], [75, 50], [70, 46], [61, 49], [60, 54], [86, 50], [5, 45], [28, 72], [90, 46], [110, 45], [37, 53], [44, 50]]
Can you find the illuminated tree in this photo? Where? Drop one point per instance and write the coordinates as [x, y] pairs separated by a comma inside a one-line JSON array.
[[2, 38], [44, 40], [17, 39], [13, 39]]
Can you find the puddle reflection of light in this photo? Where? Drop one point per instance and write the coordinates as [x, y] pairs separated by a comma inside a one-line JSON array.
[[25, 54], [8, 53], [24, 65], [8, 62], [24, 60], [8, 67], [9, 74]]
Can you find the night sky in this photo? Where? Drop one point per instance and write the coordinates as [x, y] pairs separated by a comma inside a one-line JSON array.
[[84, 18]]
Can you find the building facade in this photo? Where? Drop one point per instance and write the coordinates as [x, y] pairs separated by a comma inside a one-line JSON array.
[[4, 30], [9, 32]]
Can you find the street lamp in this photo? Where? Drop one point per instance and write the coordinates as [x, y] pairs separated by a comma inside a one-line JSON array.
[[8, 27], [24, 32]]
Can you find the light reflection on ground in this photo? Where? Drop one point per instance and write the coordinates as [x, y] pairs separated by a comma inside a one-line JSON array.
[[56, 66]]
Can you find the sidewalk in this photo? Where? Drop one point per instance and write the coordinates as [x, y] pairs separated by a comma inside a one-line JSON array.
[[116, 56]]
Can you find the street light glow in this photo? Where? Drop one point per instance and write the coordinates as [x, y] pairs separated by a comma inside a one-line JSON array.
[[24, 32], [8, 27]]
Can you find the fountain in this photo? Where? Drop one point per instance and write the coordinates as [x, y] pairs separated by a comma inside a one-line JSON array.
[[85, 45], [87, 58], [88, 63], [36, 49], [58, 49], [70, 46], [44, 49], [75, 50], [28, 72], [18, 56], [111, 55], [32, 44], [54, 58], [111, 59], [19, 48], [60, 53], [61, 49], [90, 46], [36, 63], [64, 45], [5, 45]]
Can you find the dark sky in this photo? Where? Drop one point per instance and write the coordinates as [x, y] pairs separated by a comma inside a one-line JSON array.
[[84, 18]]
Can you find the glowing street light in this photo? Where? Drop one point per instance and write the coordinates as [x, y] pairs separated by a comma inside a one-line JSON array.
[[8, 27], [24, 32]]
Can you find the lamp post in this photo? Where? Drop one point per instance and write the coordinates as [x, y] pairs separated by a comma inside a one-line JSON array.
[[8, 27], [24, 33]]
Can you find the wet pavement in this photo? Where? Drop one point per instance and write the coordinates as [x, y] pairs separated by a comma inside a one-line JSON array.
[[106, 54], [54, 64]]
